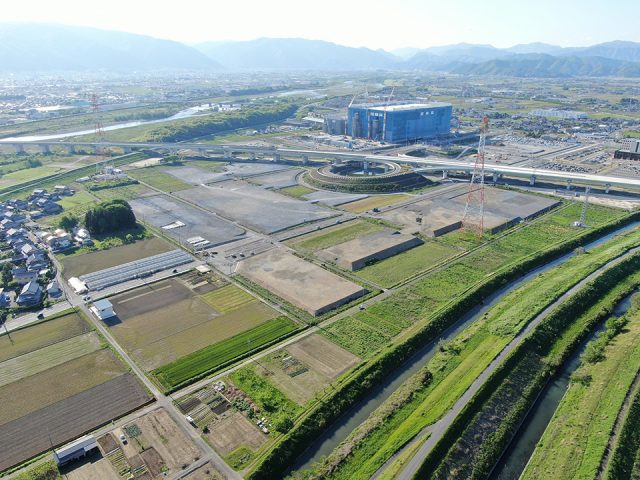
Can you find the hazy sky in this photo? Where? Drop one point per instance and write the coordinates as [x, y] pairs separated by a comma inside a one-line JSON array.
[[373, 23]]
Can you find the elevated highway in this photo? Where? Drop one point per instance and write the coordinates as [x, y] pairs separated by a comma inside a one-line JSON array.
[[275, 154]]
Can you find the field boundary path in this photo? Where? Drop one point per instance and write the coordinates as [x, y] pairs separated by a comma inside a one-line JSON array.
[[439, 428]]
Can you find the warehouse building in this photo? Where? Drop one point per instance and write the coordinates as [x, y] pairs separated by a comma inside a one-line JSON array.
[[75, 450], [103, 309], [399, 123]]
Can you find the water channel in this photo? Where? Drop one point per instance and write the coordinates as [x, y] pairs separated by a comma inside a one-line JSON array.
[[344, 425], [515, 458]]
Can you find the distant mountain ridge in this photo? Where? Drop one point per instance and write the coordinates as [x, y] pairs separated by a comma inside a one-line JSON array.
[[295, 54], [44, 47], [57, 48]]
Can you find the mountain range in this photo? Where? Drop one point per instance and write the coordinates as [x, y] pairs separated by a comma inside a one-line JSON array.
[[57, 48]]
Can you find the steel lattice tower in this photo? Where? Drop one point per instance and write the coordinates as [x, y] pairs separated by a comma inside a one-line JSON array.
[[473, 219]]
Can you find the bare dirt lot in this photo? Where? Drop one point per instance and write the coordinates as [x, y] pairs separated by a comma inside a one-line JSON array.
[[162, 210], [299, 282], [233, 432], [323, 356], [77, 265], [58, 423], [94, 467], [255, 207]]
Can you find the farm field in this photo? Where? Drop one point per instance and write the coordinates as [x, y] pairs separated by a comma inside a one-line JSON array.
[[209, 358], [206, 472], [374, 201], [73, 385], [156, 447], [305, 367], [460, 362], [125, 192], [79, 200], [76, 265], [234, 432], [576, 438], [365, 332], [162, 322], [331, 236], [41, 335], [393, 270], [155, 177]]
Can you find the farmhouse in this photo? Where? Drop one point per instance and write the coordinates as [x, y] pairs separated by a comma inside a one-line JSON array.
[[103, 309]]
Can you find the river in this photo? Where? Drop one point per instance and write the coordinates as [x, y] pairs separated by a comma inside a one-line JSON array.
[[348, 421], [186, 113], [515, 458]]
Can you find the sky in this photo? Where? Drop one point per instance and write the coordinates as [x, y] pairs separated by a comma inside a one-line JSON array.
[[375, 24]]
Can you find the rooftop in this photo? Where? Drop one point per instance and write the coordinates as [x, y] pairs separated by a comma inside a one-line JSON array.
[[409, 106]]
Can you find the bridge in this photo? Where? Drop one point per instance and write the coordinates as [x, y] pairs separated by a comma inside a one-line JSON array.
[[275, 154]]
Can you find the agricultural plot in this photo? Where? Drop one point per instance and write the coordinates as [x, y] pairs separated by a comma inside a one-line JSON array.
[[162, 322], [374, 201], [391, 271], [306, 367], [22, 438], [299, 282], [125, 192], [233, 432], [208, 359], [157, 178], [56, 377], [80, 199], [255, 207], [182, 221], [76, 265], [156, 447], [28, 175]]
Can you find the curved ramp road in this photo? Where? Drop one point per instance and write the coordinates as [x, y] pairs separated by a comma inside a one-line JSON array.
[[438, 429]]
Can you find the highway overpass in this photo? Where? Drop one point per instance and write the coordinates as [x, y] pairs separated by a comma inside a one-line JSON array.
[[272, 153]]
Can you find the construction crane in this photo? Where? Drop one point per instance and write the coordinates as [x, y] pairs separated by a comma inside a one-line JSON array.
[[583, 214], [473, 218], [384, 116]]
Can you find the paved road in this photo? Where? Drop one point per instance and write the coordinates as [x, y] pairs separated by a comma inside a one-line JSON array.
[[32, 317], [439, 428]]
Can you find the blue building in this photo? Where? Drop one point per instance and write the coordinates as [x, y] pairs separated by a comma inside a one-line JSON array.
[[399, 123]]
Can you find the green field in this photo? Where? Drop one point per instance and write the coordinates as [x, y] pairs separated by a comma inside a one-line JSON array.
[[421, 300], [28, 175], [228, 298], [126, 192], [155, 177], [80, 200], [334, 235], [458, 363], [395, 269], [269, 399], [576, 438], [297, 191], [214, 356]]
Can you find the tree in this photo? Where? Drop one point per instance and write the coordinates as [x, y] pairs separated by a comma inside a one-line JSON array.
[[6, 273], [68, 223], [110, 217]]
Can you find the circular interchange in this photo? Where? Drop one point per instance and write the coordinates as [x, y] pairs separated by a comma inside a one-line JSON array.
[[365, 176]]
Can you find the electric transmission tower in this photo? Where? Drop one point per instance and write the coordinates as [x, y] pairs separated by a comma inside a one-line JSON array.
[[473, 219], [98, 130]]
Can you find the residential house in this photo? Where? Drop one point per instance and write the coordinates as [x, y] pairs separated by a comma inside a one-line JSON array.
[[5, 299], [31, 294], [22, 275], [53, 289], [28, 249], [37, 261]]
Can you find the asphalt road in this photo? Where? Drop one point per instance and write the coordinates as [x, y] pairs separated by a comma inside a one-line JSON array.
[[439, 428]]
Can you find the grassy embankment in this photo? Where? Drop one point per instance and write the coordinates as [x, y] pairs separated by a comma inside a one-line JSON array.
[[576, 438], [424, 310], [457, 364]]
